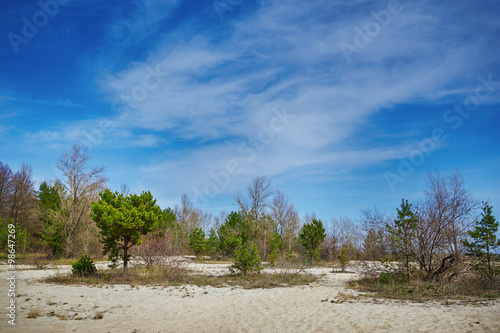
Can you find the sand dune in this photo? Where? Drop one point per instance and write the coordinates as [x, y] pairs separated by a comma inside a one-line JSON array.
[[321, 307]]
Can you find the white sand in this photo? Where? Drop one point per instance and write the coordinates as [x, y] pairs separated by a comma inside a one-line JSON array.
[[208, 309]]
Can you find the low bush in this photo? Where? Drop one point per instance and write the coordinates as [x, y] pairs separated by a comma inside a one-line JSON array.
[[343, 258], [84, 267], [246, 260], [386, 278]]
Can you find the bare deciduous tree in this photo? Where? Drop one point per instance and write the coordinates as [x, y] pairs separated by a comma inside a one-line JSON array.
[[81, 187], [255, 207], [343, 234], [372, 218], [219, 220], [5, 189], [125, 189], [22, 198], [444, 218], [377, 242], [189, 218], [256, 202], [285, 216]]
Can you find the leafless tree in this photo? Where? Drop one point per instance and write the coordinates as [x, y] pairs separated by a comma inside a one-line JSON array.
[[344, 234], [372, 218], [308, 217], [154, 248], [80, 187], [125, 189], [255, 207], [444, 218], [377, 242], [187, 215], [219, 220], [256, 202], [22, 201], [188, 218], [285, 216], [5, 189]]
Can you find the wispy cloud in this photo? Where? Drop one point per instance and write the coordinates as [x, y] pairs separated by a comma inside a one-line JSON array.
[[288, 54], [194, 92]]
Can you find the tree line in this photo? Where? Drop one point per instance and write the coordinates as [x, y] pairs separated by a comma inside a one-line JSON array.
[[76, 215]]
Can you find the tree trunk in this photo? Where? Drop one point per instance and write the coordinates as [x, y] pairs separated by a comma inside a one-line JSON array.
[[125, 260], [488, 258], [445, 265], [126, 247]]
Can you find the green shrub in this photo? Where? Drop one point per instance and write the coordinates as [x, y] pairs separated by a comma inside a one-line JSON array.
[[273, 257], [343, 258], [276, 244], [397, 278], [84, 266], [246, 259]]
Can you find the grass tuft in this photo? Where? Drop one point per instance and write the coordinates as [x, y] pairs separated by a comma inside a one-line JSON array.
[[34, 313]]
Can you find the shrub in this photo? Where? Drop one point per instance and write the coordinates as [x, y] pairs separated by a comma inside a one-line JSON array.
[[343, 258], [34, 313], [273, 257], [155, 247], [397, 278], [84, 266], [246, 260], [277, 245]]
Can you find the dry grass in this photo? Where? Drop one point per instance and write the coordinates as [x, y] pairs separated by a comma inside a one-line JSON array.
[[99, 315], [467, 288], [34, 313], [166, 275]]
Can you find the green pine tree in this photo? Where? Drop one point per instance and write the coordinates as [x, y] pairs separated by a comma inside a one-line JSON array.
[[233, 233], [312, 235], [50, 213], [403, 232], [197, 241], [212, 242], [122, 220], [483, 237]]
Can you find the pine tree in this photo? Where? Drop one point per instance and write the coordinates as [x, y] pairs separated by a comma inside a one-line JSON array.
[[50, 214], [403, 232], [483, 237], [312, 235], [122, 220], [197, 241]]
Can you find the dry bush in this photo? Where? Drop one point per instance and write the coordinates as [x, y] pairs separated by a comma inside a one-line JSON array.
[[99, 315], [34, 313], [174, 270], [467, 287], [40, 262], [155, 248]]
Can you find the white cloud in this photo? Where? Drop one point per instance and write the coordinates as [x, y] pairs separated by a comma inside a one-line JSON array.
[[214, 94], [287, 54]]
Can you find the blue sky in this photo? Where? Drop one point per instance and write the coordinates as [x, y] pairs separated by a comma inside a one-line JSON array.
[[342, 104]]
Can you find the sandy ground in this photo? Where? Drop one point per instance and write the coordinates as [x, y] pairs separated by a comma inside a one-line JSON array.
[[321, 307]]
